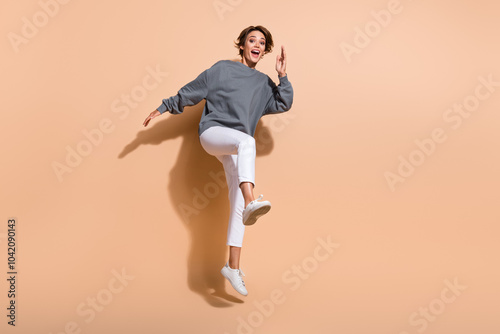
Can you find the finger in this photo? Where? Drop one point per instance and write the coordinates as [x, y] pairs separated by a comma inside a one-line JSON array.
[[283, 52], [146, 122]]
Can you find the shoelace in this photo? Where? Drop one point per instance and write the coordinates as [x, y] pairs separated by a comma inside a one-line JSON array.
[[241, 279], [258, 199], [255, 200], [241, 275]]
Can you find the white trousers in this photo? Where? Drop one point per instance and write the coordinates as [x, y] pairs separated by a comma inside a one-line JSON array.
[[236, 151]]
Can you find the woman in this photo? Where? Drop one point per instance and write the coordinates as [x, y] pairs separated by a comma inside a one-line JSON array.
[[237, 96]]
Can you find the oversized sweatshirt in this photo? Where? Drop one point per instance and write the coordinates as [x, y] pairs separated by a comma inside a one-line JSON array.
[[236, 95]]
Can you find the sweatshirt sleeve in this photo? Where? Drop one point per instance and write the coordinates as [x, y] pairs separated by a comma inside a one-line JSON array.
[[191, 94], [281, 98]]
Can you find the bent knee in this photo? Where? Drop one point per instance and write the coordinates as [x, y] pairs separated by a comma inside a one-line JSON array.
[[247, 144]]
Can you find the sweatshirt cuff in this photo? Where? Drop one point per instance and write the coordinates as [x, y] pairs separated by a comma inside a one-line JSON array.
[[283, 79], [162, 108]]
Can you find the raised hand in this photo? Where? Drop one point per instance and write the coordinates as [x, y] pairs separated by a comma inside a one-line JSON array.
[[281, 62]]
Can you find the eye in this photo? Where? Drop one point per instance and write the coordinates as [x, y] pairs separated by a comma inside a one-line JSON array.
[[262, 43]]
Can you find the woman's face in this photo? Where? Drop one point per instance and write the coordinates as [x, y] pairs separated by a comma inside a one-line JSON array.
[[254, 48]]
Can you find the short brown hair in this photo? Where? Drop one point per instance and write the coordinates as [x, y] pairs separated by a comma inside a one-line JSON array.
[[243, 37]]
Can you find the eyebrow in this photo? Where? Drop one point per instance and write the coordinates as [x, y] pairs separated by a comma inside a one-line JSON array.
[[256, 37]]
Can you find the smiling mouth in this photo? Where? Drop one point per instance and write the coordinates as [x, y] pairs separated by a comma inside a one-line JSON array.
[[255, 53]]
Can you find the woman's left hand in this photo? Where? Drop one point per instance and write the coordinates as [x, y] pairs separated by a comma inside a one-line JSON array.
[[281, 63]]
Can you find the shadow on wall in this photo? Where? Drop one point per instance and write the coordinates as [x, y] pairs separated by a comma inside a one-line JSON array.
[[198, 191]]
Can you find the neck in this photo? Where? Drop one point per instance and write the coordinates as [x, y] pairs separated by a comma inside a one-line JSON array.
[[244, 62]]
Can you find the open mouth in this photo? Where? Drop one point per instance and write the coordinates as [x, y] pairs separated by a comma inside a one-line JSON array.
[[255, 53]]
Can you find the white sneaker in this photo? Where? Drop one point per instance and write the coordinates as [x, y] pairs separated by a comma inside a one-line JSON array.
[[254, 210], [234, 276]]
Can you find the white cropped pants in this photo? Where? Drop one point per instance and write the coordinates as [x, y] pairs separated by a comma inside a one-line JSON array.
[[236, 151]]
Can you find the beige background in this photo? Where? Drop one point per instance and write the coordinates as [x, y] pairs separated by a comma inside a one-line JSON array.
[[322, 166]]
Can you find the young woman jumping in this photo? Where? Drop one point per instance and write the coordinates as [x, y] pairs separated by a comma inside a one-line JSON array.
[[237, 96]]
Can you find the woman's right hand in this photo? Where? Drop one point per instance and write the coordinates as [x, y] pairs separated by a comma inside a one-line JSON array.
[[151, 116]]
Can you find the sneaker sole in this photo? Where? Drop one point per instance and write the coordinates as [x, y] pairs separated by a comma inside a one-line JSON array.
[[256, 215]]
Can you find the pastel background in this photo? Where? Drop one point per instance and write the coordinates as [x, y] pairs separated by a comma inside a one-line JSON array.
[[128, 236]]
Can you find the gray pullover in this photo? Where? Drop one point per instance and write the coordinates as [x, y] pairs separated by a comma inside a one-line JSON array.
[[236, 95]]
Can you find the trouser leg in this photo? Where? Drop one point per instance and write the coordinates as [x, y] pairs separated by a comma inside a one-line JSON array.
[[219, 141], [236, 151], [235, 228]]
